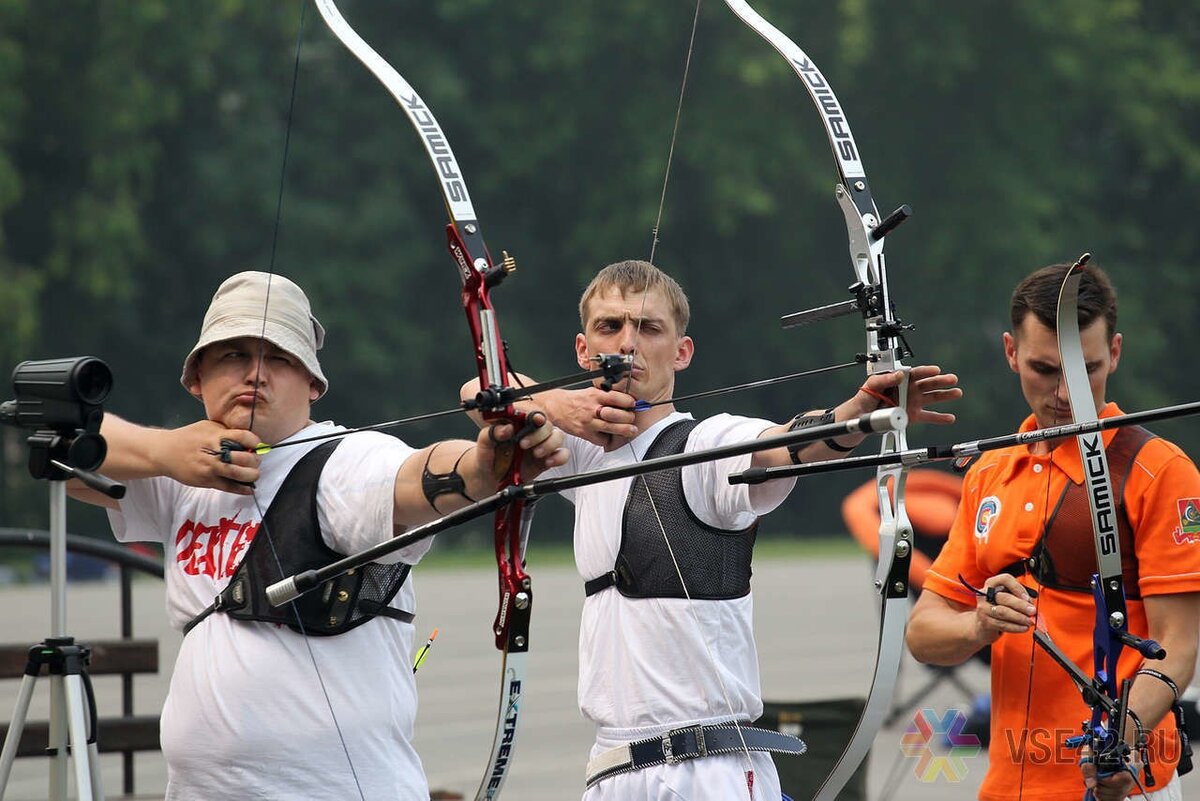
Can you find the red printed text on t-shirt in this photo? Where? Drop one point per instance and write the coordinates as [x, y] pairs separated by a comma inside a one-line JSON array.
[[213, 550]]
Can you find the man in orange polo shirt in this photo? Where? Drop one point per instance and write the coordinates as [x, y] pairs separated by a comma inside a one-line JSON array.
[[1028, 501]]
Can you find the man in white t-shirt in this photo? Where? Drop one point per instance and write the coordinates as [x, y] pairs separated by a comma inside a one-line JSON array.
[[666, 641], [266, 708]]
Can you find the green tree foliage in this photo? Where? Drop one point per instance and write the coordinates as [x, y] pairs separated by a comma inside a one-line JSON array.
[[142, 143]]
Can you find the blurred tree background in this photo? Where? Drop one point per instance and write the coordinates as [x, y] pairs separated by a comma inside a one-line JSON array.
[[141, 147]]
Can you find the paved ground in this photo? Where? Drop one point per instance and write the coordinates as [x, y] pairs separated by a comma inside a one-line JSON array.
[[817, 637]]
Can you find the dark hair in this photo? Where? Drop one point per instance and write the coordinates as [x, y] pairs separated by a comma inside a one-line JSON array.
[[1038, 294]]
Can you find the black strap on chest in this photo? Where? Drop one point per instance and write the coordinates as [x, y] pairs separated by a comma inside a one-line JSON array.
[[1064, 557], [714, 562], [292, 518]]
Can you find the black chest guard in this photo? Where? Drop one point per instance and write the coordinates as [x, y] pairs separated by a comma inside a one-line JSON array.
[[337, 605], [714, 562], [1065, 555]]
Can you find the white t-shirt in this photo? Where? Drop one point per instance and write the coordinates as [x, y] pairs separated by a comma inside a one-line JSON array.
[[644, 662], [246, 715]]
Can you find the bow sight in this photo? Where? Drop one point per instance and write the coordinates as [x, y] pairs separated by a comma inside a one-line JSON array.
[[60, 401], [870, 300]]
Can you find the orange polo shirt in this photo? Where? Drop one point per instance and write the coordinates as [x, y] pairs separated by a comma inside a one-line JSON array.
[[1000, 519]]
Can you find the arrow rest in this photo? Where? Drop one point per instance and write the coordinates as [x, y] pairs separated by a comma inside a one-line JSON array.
[[610, 367]]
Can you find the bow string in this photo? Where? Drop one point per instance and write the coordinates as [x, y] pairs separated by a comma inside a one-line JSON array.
[[228, 445], [886, 349]]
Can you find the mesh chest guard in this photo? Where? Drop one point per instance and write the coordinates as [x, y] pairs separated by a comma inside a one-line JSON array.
[[715, 562], [333, 608]]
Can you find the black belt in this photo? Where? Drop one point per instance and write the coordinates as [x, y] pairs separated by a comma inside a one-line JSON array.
[[689, 742]]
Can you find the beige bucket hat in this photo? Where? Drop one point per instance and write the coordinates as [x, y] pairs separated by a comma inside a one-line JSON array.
[[266, 305]]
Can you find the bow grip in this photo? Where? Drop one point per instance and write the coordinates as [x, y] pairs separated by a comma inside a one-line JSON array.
[[506, 464]]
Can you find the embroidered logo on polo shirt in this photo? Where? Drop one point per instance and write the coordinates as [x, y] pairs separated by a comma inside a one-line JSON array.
[[1189, 521], [985, 517]]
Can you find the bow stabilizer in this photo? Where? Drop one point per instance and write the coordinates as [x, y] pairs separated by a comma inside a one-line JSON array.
[[914, 457], [877, 422]]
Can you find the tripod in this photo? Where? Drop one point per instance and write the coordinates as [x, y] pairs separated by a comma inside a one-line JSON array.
[[72, 701]]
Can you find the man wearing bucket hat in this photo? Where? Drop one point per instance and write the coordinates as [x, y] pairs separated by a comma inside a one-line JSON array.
[[246, 715]]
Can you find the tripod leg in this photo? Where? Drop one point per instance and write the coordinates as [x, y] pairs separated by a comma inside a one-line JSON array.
[[80, 752], [13, 740], [93, 753], [93, 743], [58, 739]]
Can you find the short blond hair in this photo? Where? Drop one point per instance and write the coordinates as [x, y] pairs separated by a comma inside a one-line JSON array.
[[637, 276]]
